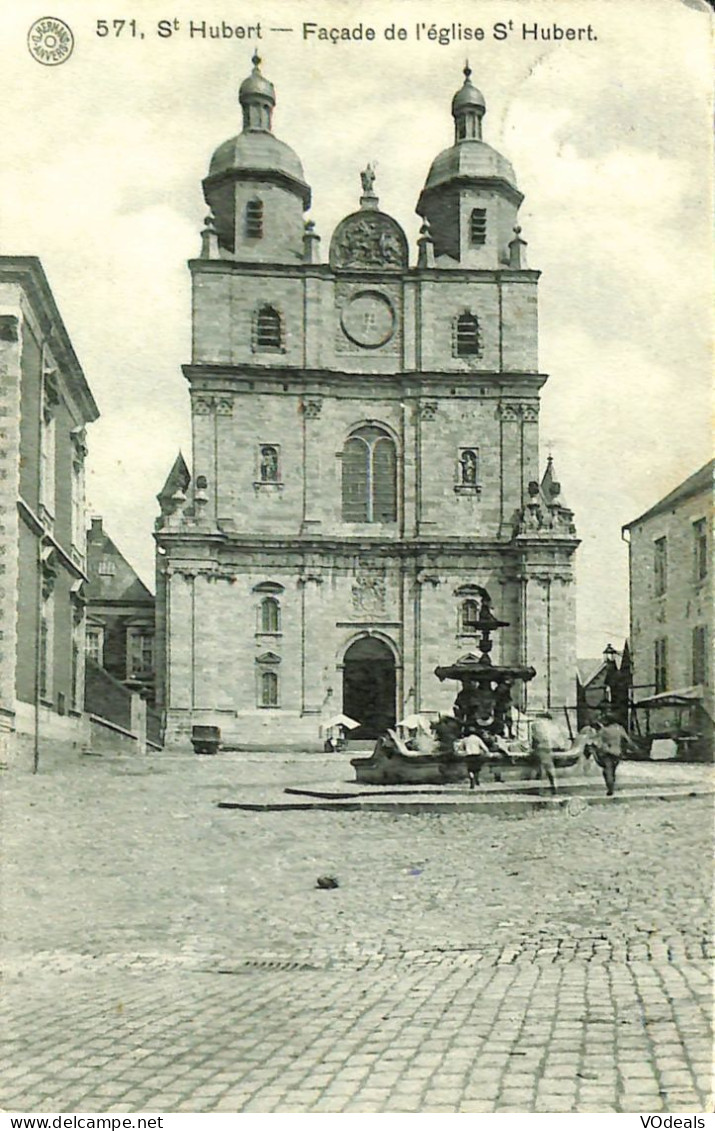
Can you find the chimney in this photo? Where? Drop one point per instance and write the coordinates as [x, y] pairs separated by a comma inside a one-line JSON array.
[[96, 531]]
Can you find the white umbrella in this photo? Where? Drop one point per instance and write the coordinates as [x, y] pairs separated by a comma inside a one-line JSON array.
[[341, 721], [414, 722]]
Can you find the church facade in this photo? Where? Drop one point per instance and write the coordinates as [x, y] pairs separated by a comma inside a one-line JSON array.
[[365, 452]]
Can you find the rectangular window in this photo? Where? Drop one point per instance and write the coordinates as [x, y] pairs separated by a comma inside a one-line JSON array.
[[470, 617], [78, 520], [700, 657], [106, 568], [269, 689], [44, 657], [46, 645], [700, 549], [94, 644], [74, 685], [47, 465], [661, 665], [660, 566], [140, 659]]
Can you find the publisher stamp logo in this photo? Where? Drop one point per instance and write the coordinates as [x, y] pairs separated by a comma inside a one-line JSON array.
[[50, 41]]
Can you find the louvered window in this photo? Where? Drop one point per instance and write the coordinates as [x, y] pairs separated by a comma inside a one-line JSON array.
[[478, 226], [268, 329], [254, 220], [369, 477], [467, 338]]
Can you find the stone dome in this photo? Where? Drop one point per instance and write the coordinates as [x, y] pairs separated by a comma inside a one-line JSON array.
[[256, 150], [470, 158], [257, 86], [466, 96]]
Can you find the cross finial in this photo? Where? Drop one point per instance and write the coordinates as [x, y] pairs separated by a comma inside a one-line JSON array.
[[256, 60]]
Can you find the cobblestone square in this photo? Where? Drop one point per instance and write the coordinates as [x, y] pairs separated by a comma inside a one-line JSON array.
[[165, 954]]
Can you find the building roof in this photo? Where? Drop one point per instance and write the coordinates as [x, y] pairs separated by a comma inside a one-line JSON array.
[[120, 584], [468, 96], [177, 481], [698, 483], [27, 272], [681, 697], [257, 151], [469, 160], [587, 670]]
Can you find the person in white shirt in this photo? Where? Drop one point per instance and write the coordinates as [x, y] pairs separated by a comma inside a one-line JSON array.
[[475, 751]]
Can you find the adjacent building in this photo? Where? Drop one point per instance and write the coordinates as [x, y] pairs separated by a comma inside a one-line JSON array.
[[120, 615], [604, 687], [45, 407], [365, 450], [671, 592]]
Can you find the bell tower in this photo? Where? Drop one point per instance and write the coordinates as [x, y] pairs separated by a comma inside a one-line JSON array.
[[256, 188], [470, 199]]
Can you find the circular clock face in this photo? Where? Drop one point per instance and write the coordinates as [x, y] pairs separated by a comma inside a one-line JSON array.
[[369, 319]]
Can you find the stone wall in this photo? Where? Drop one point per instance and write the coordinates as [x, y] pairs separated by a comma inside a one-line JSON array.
[[218, 649], [686, 604]]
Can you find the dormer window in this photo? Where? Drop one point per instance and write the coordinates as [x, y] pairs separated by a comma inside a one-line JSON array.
[[478, 226], [268, 329], [254, 220], [466, 339]]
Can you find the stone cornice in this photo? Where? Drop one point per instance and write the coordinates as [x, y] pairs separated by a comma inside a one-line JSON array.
[[293, 549], [241, 378], [376, 275], [468, 180], [275, 176], [27, 272]]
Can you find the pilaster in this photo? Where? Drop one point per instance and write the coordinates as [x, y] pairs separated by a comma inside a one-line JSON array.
[[312, 642], [312, 460], [9, 489]]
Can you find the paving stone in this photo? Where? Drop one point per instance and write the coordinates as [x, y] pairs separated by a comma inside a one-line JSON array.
[[361, 1002]]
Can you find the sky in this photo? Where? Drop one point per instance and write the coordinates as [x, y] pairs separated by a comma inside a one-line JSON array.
[[103, 158]]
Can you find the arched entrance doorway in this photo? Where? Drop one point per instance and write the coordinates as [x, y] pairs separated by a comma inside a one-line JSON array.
[[369, 687]]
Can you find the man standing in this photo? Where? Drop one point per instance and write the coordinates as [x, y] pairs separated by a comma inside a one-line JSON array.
[[610, 743], [475, 752]]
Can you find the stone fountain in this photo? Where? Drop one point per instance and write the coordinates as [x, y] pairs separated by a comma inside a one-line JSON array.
[[484, 702], [483, 705]]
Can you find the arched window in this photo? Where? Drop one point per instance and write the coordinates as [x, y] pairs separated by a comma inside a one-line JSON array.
[[467, 340], [268, 329], [478, 226], [369, 477], [469, 615], [254, 220], [269, 689], [270, 615]]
